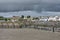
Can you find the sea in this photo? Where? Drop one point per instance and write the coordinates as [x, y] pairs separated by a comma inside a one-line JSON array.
[[31, 13]]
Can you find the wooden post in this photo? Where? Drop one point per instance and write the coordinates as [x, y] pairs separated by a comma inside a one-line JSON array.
[[54, 24], [53, 29]]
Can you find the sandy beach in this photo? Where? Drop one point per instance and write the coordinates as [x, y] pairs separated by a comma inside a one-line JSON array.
[[28, 34]]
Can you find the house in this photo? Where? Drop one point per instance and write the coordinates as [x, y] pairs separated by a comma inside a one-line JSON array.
[[15, 18], [25, 17], [55, 18], [43, 18], [28, 19], [58, 19]]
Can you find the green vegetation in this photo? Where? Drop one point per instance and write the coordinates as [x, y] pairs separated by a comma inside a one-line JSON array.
[[22, 16], [28, 16], [1, 18], [6, 19], [35, 18], [44, 25]]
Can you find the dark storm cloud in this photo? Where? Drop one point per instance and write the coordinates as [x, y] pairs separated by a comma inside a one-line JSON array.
[[33, 5]]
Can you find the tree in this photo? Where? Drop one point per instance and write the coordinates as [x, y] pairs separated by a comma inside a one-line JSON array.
[[28, 16], [22, 16], [1, 17], [9, 19], [35, 18], [6, 19]]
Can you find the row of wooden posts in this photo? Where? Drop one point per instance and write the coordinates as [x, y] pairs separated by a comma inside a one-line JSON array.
[[17, 25]]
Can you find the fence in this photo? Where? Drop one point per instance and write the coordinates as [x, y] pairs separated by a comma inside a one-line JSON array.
[[17, 25]]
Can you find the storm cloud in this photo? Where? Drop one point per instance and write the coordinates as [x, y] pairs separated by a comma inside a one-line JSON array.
[[32, 5]]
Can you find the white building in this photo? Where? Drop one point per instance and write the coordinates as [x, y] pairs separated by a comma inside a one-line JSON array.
[[59, 19], [45, 19], [56, 18]]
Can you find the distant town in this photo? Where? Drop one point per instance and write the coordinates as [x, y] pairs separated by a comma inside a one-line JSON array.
[[19, 21], [29, 18]]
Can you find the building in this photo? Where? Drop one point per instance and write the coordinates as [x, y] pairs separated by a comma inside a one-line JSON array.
[[43, 18], [55, 18], [15, 18]]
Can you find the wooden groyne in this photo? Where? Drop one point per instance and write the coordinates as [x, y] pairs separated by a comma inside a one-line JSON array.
[[35, 26], [9, 25]]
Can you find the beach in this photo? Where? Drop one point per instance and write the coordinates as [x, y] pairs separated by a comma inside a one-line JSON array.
[[28, 34]]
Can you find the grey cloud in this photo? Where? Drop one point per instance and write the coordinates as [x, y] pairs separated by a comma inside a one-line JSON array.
[[51, 1], [33, 5]]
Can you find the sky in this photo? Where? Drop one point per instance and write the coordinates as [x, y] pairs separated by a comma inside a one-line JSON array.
[[52, 6]]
